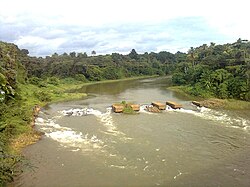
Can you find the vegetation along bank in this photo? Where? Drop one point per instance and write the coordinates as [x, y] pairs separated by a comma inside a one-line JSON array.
[[208, 71]]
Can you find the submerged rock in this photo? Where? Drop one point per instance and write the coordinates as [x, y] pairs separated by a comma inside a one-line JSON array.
[[153, 109]]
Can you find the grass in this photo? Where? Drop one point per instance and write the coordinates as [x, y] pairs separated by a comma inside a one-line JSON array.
[[184, 92], [232, 104], [16, 121], [227, 104]]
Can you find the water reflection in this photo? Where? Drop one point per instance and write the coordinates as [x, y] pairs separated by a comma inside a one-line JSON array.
[[115, 88]]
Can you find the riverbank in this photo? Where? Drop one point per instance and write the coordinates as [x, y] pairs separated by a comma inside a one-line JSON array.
[[210, 102], [18, 117], [86, 137], [33, 95]]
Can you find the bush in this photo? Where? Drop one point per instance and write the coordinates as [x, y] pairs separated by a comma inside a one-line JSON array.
[[80, 77], [42, 96], [68, 80], [247, 96], [37, 81], [128, 110], [198, 90], [53, 80], [178, 78], [8, 167]]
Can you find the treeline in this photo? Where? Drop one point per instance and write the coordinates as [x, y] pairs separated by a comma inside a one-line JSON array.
[[216, 71], [101, 67], [209, 70]]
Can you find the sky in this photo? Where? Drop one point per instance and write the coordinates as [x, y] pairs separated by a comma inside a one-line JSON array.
[[107, 26]]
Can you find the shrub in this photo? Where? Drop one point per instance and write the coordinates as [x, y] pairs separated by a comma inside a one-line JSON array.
[[8, 167], [37, 81], [80, 77], [42, 96], [128, 110], [53, 80], [178, 78], [68, 80]]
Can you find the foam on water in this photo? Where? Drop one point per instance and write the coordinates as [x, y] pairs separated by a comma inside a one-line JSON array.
[[104, 118], [80, 112], [67, 137], [202, 112], [107, 120], [215, 115], [143, 109], [209, 114]]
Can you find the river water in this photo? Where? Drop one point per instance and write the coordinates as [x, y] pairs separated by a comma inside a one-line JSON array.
[[85, 144]]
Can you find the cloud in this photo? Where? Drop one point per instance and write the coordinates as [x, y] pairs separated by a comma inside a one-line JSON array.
[[45, 27], [172, 35]]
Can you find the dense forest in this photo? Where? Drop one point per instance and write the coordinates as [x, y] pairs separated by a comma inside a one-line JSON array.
[[216, 71], [96, 68], [208, 71]]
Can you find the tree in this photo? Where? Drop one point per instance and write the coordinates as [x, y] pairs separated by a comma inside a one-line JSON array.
[[82, 55], [191, 55], [72, 54], [133, 54], [93, 53], [55, 55], [94, 73], [24, 52]]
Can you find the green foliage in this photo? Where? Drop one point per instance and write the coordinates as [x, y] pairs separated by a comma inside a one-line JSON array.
[[178, 78], [101, 67], [14, 115], [3, 80], [133, 54], [8, 167], [35, 80], [68, 80], [111, 73], [38, 82], [53, 80], [127, 108], [94, 73], [42, 96], [81, 77], [220, 70], [21, 73]]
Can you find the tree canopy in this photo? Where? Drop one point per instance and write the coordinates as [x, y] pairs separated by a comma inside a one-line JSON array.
[[217, 70]]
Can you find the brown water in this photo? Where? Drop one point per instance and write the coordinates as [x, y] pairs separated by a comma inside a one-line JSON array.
[[95, 147]]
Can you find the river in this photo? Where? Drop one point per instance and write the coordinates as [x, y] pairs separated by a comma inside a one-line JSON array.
[[95, 147]]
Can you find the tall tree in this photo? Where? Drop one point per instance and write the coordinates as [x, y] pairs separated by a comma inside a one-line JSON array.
[[133, 54], [93, 53]]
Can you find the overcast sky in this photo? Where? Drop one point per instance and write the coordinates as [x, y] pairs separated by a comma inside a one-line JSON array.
[[106, 26]]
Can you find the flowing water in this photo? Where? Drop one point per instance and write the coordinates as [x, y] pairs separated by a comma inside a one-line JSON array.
[[86, 144]]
